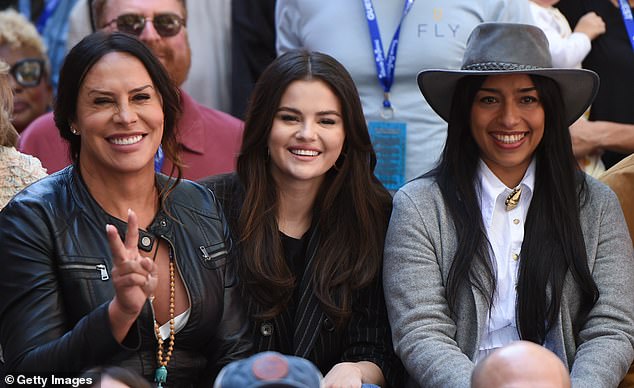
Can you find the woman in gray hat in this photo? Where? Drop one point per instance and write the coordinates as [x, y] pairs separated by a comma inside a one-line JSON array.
[[506, 239]]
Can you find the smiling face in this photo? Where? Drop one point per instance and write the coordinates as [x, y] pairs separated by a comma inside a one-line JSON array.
[[507, 123], [29, 102], [119, 116], [307, 135]]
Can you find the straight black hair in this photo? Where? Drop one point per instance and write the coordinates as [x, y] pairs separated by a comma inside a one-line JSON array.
[[553, 241]]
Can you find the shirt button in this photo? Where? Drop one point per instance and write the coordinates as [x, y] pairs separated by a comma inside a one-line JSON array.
[[163, 223], [516, 221], [266, 329], [328, 325], [516, 256]]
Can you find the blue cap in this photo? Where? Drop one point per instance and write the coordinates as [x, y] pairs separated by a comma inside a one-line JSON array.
[[269, 369]]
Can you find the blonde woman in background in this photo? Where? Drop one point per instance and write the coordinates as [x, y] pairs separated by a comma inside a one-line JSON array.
[[23, 49], [17, 170]]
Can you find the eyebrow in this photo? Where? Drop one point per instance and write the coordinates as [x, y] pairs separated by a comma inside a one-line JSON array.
[[131, 91], [297, 111]]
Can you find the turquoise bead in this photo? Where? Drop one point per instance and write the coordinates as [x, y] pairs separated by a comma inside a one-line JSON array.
[[160, 376]]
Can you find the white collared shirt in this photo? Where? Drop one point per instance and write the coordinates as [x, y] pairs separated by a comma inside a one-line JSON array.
[[505, 231]]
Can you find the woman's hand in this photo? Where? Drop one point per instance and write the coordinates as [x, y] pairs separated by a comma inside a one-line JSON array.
[[353, 375], [344, 375], [134, 277]]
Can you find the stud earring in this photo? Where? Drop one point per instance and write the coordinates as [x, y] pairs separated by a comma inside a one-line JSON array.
[[74, 130]]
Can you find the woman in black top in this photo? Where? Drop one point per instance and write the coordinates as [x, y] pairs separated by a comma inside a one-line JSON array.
[[309, 218]]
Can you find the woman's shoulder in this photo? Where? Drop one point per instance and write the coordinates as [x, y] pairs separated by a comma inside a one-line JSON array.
[[200, 196], [597, 191], [17, 171], [50, 197], [223, 184], [19, 164], [421, 189]]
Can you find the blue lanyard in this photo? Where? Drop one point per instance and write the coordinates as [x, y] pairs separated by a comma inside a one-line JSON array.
[[385, 64], [159, 157], [626, 13], [46, 14]]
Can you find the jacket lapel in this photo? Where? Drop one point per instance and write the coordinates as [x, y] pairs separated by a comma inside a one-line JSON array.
[[309, 315]]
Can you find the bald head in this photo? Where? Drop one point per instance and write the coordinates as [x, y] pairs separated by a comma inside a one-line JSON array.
[[521, 364]]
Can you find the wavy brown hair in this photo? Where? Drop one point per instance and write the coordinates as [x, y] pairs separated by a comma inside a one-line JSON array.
[[352, 207]]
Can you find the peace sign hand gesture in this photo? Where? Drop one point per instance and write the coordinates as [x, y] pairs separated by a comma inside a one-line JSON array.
[[134, 276]]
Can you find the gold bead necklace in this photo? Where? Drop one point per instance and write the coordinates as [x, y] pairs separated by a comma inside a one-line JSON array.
[[160, 375]]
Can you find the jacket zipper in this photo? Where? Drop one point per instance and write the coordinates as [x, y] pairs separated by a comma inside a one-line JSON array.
[[212, 256], [103, 271]]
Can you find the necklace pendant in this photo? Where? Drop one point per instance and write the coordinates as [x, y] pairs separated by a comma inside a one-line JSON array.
[[513, 199], [160, 376]]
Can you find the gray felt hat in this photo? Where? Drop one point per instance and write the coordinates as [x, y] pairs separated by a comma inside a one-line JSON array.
[[509, 48]]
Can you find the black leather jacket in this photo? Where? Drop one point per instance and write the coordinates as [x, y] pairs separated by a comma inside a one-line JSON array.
[[55, 284]]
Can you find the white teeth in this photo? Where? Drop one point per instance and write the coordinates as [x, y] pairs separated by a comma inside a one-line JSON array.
[[509, 139], [305, 152], [125, 140]]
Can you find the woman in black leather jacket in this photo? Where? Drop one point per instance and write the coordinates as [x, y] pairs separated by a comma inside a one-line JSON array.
[[104, 257], [309, 218]]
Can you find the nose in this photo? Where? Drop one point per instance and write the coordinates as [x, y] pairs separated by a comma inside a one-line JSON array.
[[125, 115], [510, 115], [306, 131], [149, 34]]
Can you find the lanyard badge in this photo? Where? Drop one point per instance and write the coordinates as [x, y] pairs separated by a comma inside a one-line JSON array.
[[388, 136]]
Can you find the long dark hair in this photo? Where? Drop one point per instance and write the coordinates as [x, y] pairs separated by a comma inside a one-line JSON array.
[[352, 208], [83, 57], [553, 240]]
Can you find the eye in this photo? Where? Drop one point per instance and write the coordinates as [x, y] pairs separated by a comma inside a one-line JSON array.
[[141, 97], [289, 117], [102, 101], [488, 100], [528, 99], [327, 121]]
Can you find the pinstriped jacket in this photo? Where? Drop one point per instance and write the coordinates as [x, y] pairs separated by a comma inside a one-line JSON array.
[[308, 332]]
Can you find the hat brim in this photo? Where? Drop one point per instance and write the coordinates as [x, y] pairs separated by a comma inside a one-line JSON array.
[[578, 87]]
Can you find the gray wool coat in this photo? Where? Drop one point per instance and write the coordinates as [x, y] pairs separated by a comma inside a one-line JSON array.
[[438, 348]]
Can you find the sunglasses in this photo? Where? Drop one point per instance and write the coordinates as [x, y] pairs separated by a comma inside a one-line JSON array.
[[28, 72], [165, 24]]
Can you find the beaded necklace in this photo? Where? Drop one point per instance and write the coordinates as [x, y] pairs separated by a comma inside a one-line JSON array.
[[160, 375]]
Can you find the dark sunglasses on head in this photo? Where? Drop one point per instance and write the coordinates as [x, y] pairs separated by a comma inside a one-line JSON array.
[[165, 24], [28, 72]]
